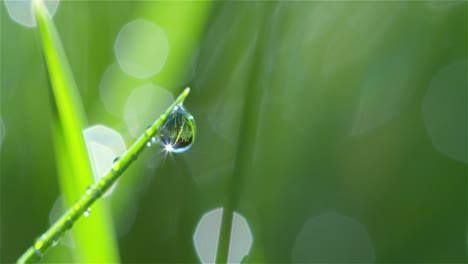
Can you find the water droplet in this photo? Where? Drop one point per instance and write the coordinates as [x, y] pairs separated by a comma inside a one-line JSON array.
[[154, 140], [88, 190], [177, 133], [116, 159], [148, 144], [55, 241], [87, 212], [38, 254], [68, 224]]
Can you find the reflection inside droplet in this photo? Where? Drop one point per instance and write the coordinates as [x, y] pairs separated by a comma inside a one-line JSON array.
[[177, 133]]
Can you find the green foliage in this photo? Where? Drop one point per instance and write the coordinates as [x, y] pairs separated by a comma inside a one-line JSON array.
[[95, 240], [305, 110]]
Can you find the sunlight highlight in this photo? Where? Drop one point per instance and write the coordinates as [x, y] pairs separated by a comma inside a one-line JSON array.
[[169, 148]]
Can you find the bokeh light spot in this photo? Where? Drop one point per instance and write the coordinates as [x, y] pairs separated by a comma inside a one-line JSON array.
[[21, 11], [390, 82], [55, 213], [444, 109], [241, 239], [141, 48], [332, 238], [114, 89], [206, 237], [104, 145], [144, 105], [2, 131]]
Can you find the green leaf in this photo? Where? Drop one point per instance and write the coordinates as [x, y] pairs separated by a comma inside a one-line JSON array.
[[95, 238]]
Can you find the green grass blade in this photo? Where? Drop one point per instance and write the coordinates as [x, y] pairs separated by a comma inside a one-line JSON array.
[[95, 191], [95, 238]]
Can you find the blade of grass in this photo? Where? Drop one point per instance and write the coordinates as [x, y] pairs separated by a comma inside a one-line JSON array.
[[92, 194], [248, 127], [95, 240]]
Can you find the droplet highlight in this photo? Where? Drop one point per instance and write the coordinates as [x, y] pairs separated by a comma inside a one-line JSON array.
[[87, 212], [55, 241], [177, 133]]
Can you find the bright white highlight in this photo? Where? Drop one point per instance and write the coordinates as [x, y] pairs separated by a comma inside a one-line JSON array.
[[169, 148], [21, 11]]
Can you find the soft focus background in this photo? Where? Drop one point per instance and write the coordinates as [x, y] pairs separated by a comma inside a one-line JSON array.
[[328, 131]]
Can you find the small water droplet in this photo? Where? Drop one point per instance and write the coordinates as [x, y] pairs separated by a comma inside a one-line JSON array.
[[38, 254], [88, 190], [154, 140], [87, 212], [177, 133], [55, 241], [148, 144], [68, 224], [116, 159]]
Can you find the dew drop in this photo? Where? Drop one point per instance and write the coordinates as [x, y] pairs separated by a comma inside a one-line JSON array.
[[87, 212], [68, 224], [88, 190], [148, 144], [55, 241], [177, 133], [38, 254]]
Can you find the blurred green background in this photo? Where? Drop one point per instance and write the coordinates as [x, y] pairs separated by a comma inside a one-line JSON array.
[[336, 129]]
